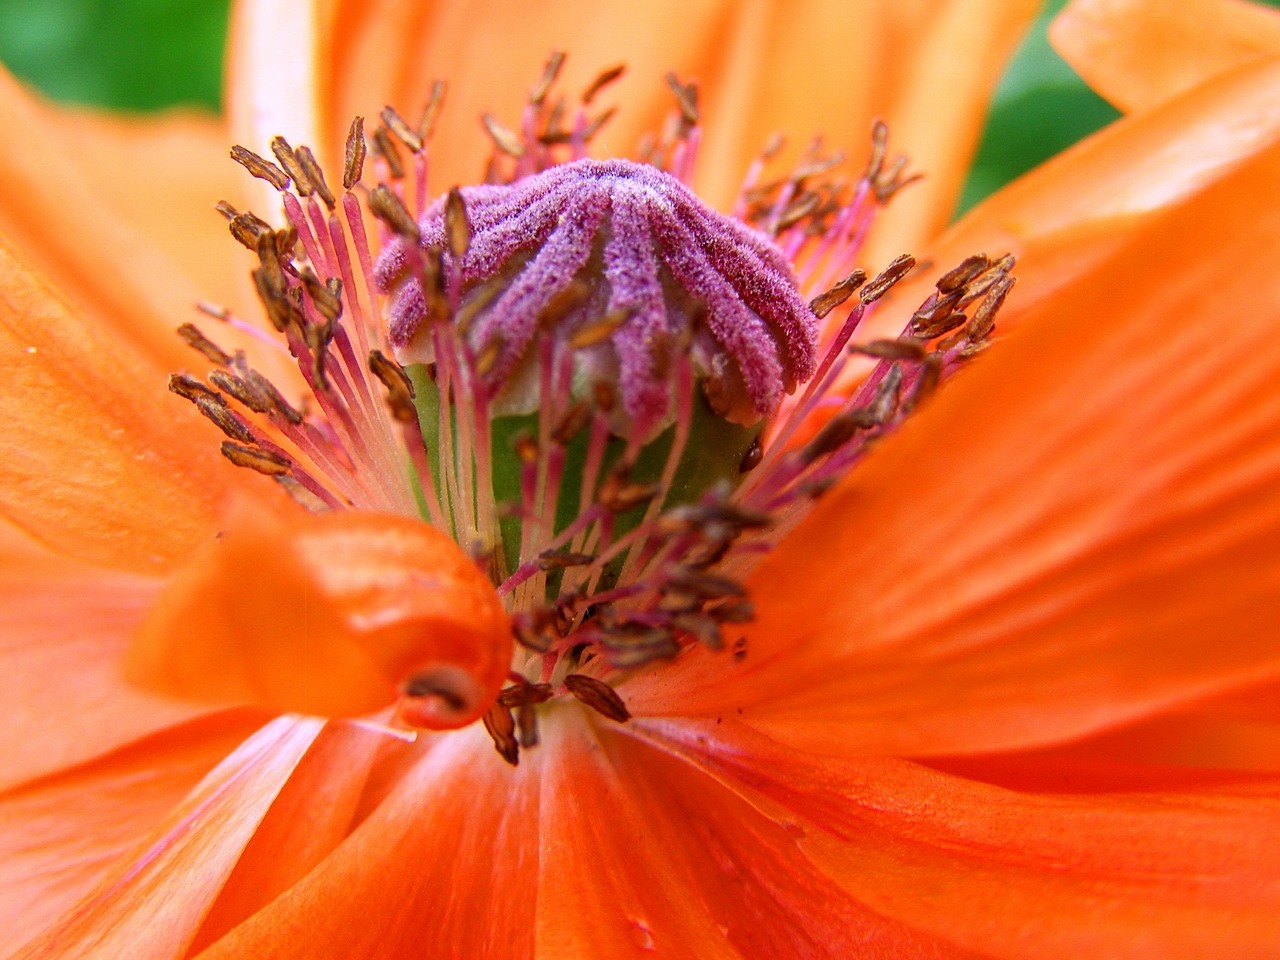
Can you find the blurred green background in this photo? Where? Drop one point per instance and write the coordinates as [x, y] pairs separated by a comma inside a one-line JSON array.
[[147, 54]]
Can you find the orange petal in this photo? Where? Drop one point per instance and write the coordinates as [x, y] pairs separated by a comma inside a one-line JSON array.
[[819, 67], [1071, 213], [96, 458], [1075, 533], [63, 628], [161, 175], [1180, 872], [61, 834], [925, 73], [112, 269], [331, 614], [448, 860], [644, 855], [313, 814], [1140, 53], [152, 904]]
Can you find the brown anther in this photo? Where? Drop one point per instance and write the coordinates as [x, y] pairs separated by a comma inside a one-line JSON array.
[[704, 627], [570, 423], [390, 209], [189, 388], [399, 387], [457, 227], [602, 329], [708, 586], [963, 273], [686, 99], [885, 402], [603, 396], [501, 726], [550, 73], [522, 691], [597, 695], [354, 154], [264, 387], [563, 559], [198, 342], [263, 461], [326, 296], [317, 337], [618, 494], [602, 80], [597, 123], [503, 138], [307, 160], [903, 349], [887, 277], [734, 611], [527, 725], [930, 375], [835, 433], [387, 149], [532, 630], [488, 357], [824, 303], [637, 649], [259, 167], [797, 210], [938, 315], [984, 318], [248, 229], [289, 160], [817, 165], [226, 209], [234, 386], [431, 110], [879, 146], [399, 127], [751, 459]]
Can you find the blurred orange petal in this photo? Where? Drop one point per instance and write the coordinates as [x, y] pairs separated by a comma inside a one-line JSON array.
[[1069, 537], [1174, 871], [463, 879], [1141, 53], [151, 904], [63, 831]]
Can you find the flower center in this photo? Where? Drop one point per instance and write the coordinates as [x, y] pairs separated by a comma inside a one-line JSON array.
[[594, 383]]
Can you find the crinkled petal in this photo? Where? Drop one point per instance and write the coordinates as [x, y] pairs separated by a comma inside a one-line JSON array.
[[1140, 53], [1176, 870], [1077, 532], [446, 863], [62, 833], [643, 855], [151, 905]]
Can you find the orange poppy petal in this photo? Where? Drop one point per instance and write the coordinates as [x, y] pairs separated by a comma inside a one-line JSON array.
[[110, 268], [449, 860], [161, 175], [645, 855], [96, 459], [1076, 210], [332, 614], [1179, 870], [1140, 53], [1074, 534], [152, 904], [936, 111], [63, 629], [62, 833], [802, 69], [313, 814]]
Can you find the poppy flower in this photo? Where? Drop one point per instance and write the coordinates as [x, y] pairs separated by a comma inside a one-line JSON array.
[[1008, 685]]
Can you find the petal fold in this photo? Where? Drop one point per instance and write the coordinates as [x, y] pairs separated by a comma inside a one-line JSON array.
[[1177, 872], [1140, 53]]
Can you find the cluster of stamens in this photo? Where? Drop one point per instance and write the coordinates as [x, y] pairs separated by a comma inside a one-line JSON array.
[[595, 384]]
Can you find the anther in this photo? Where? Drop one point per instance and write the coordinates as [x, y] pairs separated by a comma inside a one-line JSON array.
[[503, 138], [884, 281], [431, 111], [197, 341], [400, 129], [263, 461], [354, 155], [386, 148], [602, 80], [824, 303], [260, 168], [289, 160], [597, 695], [315, 176]]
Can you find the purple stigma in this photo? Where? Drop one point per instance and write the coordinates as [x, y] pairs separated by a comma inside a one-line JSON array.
[[623, 248]]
